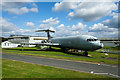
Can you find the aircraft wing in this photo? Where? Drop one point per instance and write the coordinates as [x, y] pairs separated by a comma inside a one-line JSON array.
[[42, 44]]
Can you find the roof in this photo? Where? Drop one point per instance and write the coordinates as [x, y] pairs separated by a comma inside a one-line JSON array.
[[12, 36], [6, 42], [110, 39]]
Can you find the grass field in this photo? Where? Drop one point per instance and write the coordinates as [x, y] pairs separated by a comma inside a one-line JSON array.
[[57, 53], [113, 49], [15, 69], [0, 69]]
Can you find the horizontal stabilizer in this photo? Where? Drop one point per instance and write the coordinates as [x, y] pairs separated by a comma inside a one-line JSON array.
[[45, 30]]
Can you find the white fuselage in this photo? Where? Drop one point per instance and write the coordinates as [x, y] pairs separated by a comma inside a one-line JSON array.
[[82, 42]]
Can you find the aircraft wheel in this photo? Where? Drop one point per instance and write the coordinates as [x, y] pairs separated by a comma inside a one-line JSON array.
[[50, 48], [64, 49], [85, 53]]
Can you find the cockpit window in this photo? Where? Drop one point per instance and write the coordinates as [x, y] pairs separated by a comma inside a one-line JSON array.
[[92, 39]]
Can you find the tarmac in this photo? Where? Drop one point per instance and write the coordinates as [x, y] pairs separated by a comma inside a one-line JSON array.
[[93, 68]]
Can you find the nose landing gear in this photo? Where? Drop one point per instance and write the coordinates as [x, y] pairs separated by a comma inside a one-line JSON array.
[[85, 53]]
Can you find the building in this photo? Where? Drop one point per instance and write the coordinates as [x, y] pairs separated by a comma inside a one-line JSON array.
[[18, 39], [7, 44], [110, 42]]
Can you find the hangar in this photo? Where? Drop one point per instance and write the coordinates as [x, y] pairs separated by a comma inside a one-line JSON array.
[[17, 39], [110, 42]]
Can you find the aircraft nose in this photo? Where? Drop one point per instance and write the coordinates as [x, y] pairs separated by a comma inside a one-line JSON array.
[[101, 44], [98, 45]]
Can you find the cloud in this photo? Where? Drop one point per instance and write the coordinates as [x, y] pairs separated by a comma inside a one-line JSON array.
[[101, 30], [17, 0], [64, 6], [97, 30], [112, 23], [30, 24], [88, 11], [64, 1], [79, 26], [34, 9], [77, 29], [17, 8], [51, 21], [46, 24], [8, 28], [63, 30], [25, 32], [61, 26]]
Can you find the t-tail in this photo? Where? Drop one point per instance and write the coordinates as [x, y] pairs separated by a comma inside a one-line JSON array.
[[48, 32]]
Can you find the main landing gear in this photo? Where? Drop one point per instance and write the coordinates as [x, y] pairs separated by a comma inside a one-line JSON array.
[[50, 48], [64, 49], [85, 53]]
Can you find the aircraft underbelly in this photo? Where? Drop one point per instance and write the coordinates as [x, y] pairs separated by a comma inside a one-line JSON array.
[[77, 45]]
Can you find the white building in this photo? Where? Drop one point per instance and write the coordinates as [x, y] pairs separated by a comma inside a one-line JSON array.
[[8, 44], [18, 39]]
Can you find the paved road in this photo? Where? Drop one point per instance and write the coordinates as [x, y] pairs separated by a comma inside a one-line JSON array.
[[72, 65]]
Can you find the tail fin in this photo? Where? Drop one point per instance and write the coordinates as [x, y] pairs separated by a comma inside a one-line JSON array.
[[48, 32]]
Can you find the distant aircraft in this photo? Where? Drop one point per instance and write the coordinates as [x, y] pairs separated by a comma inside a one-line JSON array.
[[81, 42]]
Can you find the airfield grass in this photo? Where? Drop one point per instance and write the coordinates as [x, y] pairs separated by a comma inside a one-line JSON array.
[[56, 53], [0, 69], [16, 69], [113, 49]]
